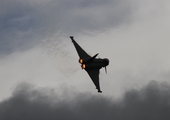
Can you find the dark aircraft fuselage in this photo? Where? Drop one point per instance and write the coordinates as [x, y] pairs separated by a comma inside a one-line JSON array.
[[94, 64]]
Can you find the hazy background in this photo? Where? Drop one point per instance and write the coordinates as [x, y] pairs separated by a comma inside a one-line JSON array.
[[38, 58]]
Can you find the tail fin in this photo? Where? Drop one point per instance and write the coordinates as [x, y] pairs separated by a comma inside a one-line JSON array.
[[92, 58]]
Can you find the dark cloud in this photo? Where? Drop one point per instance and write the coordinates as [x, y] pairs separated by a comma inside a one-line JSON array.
[[150, 103], [23, 22]]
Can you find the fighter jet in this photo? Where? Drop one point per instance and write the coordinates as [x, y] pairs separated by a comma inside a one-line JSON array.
[[91, 65]]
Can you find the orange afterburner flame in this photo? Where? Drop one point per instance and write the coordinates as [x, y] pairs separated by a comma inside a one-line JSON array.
[[81, 61], [83, 66]]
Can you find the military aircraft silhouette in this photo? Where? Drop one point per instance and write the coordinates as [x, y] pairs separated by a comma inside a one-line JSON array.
[[92, 65]]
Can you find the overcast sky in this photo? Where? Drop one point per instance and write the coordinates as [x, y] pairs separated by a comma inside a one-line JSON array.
[[38, 62]]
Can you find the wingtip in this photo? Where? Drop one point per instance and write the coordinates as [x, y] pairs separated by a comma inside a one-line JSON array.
[[71, 37], [99, 91]]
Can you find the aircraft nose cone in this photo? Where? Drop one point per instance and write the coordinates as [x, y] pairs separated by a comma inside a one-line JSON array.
[[107, 61]]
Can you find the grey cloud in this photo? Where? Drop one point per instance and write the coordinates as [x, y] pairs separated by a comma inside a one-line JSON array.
[[23, 22], [27, 102]]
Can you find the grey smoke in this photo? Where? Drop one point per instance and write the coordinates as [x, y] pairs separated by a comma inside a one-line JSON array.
[[24, 23], [152, 102]]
